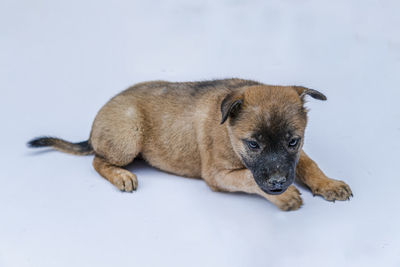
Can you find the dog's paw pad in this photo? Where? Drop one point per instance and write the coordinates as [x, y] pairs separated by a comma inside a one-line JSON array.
[[289, 200], [333, 190], [126, 181]]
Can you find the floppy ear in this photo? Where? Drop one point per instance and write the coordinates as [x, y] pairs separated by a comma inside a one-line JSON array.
[[230, 106], [302, 91]]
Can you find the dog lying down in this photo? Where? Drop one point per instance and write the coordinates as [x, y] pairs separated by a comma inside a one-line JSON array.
[[237, 135]]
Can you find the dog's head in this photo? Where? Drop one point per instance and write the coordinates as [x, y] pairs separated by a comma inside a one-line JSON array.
[[266, 128]]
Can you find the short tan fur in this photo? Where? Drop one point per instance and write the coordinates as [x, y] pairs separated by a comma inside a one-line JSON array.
[[197, 129]]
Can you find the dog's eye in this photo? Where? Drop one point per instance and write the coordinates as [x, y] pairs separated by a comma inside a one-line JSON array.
[[293, 142], [252, 145]]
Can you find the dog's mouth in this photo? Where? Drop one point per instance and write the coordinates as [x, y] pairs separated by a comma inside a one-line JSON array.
[[275, 191], [275, 184]]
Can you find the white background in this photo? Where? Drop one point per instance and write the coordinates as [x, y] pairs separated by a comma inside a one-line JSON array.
[[60, 61]]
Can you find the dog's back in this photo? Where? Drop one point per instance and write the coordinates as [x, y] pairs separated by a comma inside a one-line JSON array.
[[164, 120]]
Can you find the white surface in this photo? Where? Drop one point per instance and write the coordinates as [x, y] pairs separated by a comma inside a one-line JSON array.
[[60, 61]]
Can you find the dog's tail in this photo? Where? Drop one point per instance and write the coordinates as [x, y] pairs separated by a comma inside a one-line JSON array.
[[81, 148]]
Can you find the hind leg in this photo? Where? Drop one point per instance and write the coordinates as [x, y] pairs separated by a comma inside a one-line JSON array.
[[123, 179], [117, 138]]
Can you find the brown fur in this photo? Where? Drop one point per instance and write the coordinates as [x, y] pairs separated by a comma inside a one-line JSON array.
[[308, 172], [177, 128]]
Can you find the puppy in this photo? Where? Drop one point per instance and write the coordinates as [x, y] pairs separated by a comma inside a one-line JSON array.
[[238, 135]]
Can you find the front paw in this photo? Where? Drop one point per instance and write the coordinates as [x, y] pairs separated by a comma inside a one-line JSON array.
[[332, 190], [288, 200]]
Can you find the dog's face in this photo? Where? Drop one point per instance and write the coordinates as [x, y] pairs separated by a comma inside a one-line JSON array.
[[266, 129]]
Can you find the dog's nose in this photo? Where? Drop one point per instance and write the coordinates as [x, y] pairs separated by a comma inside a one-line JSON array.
[[277, 181]]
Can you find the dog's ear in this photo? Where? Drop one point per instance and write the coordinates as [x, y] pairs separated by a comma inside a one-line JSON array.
[[230, 106], [303, 91]]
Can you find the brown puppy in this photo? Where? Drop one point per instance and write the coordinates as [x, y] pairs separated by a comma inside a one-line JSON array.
[[238, 135]]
